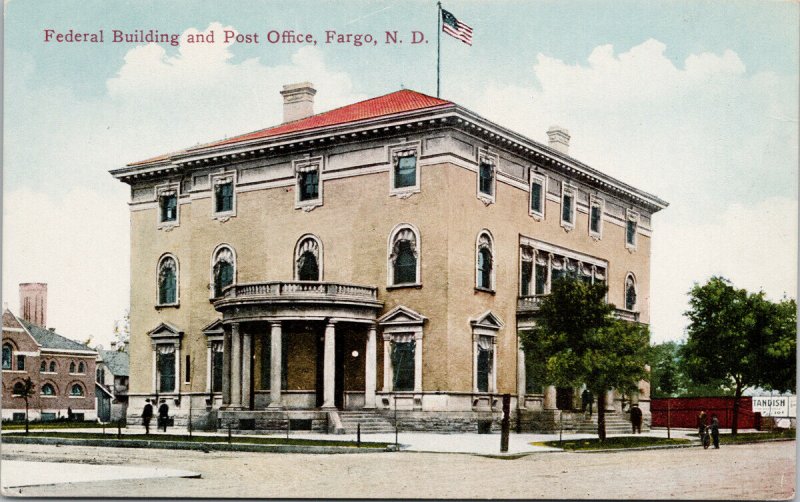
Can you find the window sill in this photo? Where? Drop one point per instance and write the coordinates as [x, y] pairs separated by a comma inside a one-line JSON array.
[[47, 397], [167, 306], [167, 225], [223, 217], [77, 397], [486, 199], [536, 216], [414, 285], [568, 227], [404, 192], [15, 371], [484, 290], [308, 205]]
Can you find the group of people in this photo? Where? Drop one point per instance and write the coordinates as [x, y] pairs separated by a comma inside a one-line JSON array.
[[163, 415], [702, 424]]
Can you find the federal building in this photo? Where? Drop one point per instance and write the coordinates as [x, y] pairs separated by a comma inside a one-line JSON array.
[[374, 259]]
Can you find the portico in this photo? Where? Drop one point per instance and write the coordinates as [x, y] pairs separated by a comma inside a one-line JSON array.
[[299, 345]]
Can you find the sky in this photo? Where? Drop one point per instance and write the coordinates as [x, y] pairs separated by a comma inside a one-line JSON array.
[[693, 101]]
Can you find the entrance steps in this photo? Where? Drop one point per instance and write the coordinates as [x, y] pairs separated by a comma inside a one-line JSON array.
[[371, 422], [616, 423]]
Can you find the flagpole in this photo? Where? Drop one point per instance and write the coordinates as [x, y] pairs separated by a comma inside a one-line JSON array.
[[438, 45]]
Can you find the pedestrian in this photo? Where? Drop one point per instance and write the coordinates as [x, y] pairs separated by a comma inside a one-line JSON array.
[[701, 423], [586, 400], [70, 415], [636, 418], [163, 414], [715, 431], [147, 414]]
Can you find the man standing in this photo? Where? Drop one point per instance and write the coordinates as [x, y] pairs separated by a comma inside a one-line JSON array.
[[147, 414], [163, 414], [586, 400], [636, 418], [715, 431], [701, 423]]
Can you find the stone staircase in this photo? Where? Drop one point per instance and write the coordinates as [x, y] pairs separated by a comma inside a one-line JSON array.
[[616, 423], [371, 422]]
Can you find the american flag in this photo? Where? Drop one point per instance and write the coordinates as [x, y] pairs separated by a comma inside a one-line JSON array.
[[456, 28]]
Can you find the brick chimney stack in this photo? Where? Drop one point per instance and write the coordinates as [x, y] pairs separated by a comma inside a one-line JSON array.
[[298, 101], [558, 139], [33, 302]]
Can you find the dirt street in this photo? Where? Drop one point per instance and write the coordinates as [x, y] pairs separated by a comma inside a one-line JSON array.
[[765, 470]]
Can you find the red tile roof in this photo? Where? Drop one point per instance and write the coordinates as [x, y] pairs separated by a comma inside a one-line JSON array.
[[389, 104]]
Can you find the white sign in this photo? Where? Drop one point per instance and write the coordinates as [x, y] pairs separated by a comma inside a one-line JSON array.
[[774, 406]]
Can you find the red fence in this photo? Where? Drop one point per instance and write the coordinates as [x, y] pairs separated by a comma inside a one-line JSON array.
[[683, 411]]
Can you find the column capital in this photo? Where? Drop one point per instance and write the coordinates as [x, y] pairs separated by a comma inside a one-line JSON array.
[[275, 324]]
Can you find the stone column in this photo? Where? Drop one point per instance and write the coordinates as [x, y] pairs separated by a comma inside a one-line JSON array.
[[549, 401], [329, 372], [369, 369], [521, 378], [418, 363], [236, 366], [275, 340], [226, 367], [247, 368], [387, 363], [610, 400]]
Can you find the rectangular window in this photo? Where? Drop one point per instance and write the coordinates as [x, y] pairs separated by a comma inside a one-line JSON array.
[[541, 279], [630, 234], [537, 196], [20, 362], [403, 365], [309, 185], [484, 369], [405, 173], [223, 193], [216, 371], [48, 417], [525, 278], [188, 377], [594, 219], [566, 208], [166, 372], [486, 179], [169, 207]]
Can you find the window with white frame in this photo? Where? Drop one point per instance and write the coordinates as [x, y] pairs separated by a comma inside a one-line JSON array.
[[484, 262], [404, 263], [167, 280], [308, 259], [568, 196], [484, 344], [485, 368], [542, 264], [538, 195], [631, 226], [487, 176], [224, 194], [595, 217], [402, 346], [405, 170], [168, 205], [630, 292], [216, 366], [166, 362], [223, 270], [308, 185], [8, 352]]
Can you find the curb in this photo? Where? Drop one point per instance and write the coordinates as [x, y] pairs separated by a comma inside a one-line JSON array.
[[176, 445]]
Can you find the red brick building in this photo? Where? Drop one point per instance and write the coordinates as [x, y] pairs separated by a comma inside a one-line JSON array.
[[62, 370]]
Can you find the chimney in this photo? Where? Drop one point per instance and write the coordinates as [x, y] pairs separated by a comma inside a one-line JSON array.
[[558, 139], [33, 302], [298, 101]]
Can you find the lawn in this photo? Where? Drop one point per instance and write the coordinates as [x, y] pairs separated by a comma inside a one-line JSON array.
[[202, 439], [17, 426], [613, 443], [754, 437]]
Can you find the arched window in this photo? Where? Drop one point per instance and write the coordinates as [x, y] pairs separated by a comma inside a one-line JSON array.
[[19, 389], [52, 366], [404, 263], [167, 281], [81, 367], [72, 367], [630, 292], [48, 390], [7, 353], [76, 390], [223, 270], [484, 262], [308, 259], [43, 367]]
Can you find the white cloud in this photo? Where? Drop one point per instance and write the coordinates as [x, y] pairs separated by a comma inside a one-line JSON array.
[[77, 239], [717, 142]]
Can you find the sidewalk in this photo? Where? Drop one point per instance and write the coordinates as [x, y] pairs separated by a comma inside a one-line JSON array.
[[483, 444]]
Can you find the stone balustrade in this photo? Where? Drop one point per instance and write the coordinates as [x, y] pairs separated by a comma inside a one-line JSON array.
[[276, 289]]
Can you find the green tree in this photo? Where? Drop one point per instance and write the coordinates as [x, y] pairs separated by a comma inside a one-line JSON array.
[[26, 392], [739, 337], [577, 340], [666, 378]]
